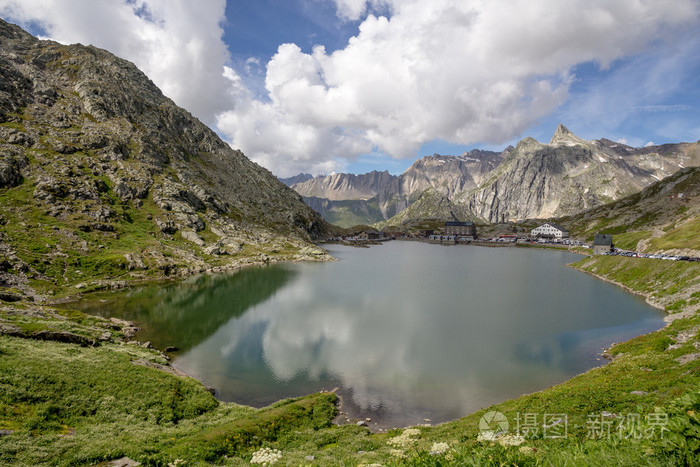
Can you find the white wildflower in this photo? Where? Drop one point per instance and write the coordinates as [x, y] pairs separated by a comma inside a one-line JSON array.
[[266, 456], [511, 440], [486, 436], [439, 448], [397, 453], [527, 450], [404, 440], [503, 440]]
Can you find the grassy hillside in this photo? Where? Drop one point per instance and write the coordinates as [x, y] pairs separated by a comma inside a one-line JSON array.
[[671, 285], [430, 205], [104, 179], [663, 217]]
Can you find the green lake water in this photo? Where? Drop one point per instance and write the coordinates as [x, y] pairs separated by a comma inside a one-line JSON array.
[[405, 331]]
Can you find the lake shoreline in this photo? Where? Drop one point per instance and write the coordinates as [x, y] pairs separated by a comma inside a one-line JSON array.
[[634, 380], [235, 266], [358, 417], [353, 418]]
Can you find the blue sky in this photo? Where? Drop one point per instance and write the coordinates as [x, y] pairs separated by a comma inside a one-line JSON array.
[[357, 85]]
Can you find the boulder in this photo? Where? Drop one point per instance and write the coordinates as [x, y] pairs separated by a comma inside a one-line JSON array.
[[192, 236], [63, 336], [10, 175]]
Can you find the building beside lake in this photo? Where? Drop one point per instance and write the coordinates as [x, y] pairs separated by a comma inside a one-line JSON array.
[[550, 231], [369, 235], [460, 229], [602, 243]]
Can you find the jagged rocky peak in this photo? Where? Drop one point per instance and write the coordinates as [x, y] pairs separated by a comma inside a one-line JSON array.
[[564, 136], [526, 144]]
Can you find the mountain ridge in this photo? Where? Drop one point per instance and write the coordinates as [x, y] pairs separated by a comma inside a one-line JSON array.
[[391, 194], [98, 166], [531, 180]]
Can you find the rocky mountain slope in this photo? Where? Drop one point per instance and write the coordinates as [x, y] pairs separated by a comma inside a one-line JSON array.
[[663, 217], [569, 175], [349, 199], [103, 176], [563, 177]]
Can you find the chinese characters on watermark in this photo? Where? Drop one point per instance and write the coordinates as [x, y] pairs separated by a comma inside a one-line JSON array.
[[602, 426]]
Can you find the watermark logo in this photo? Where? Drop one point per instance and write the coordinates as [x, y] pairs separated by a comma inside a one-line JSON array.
[[605, 425], [494, 422]]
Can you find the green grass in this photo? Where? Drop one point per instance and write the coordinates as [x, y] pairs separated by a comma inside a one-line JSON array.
[[659, 279], [72, 405], [629, 241], [684, 236]]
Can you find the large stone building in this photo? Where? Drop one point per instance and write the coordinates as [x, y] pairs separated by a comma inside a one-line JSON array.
[[550, 231], [602, 243], [460, 229]]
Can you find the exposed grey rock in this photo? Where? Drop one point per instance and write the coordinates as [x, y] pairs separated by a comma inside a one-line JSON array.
[[134, 262], [687, 358], [130, 331], [217, 249], [63, 336], [123, 462], [102, 227], [192, 236], [10, 330], [166, 226], [103, 136], [101, 213], [10, 174], [6, 296], [533, 180]]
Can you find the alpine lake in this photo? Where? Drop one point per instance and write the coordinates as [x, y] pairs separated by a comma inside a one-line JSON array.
[[406, 332]]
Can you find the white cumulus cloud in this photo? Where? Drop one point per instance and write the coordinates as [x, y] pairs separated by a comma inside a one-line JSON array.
[[463, 72], [177, 43]]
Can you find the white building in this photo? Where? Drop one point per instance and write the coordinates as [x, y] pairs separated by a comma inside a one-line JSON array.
[[550, 231]]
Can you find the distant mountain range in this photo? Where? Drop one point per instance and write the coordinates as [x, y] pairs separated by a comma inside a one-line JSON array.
[[531, 180]]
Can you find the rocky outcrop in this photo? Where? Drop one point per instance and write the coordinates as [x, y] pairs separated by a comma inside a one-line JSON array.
[[94, 159], [532, 180], [565, 176], [346, 186], [376, 196], [570, 175]]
